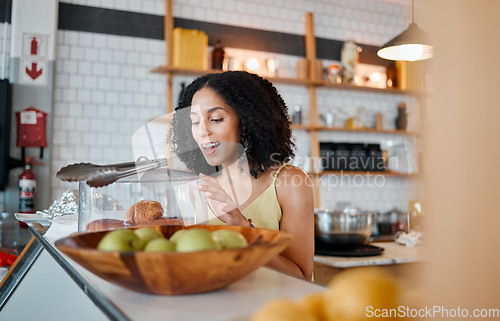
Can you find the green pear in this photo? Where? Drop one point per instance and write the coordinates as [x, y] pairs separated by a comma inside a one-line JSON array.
[[160, 245], [196, 239], [177, 234], [230, 239], [122, 240], [147, 234]]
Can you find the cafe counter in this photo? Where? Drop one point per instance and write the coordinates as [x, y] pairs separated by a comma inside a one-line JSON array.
[[399, 260], [50, 286]]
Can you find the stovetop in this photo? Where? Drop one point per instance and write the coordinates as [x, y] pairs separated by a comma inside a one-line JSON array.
[[352, 251]]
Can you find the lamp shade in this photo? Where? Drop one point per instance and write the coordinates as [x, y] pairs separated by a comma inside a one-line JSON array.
[[410, 45]]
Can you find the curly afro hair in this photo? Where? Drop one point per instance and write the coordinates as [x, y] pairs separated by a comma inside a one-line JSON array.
[[265, 132]]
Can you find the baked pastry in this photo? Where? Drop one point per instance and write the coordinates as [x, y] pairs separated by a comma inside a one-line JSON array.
[[169, 221], [104, 224], [143, 212]]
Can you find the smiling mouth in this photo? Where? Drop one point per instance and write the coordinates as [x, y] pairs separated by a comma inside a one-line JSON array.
[[209, 148]]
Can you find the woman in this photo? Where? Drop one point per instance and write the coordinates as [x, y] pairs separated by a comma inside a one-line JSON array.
[[233, 128]]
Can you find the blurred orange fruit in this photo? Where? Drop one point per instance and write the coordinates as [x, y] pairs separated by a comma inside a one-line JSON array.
[[314, 304], [282, 310], [361, 293]]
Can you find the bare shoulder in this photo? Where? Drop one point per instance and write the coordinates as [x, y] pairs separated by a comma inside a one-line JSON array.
[[291, 173], [292, 182]]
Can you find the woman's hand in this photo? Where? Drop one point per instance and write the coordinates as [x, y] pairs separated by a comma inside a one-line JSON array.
[[221, 203]]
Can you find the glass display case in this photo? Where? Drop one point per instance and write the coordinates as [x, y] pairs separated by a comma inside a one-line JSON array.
[[160, 196]]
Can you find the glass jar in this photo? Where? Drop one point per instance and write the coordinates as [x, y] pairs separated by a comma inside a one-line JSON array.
[[349, 58], [375, 158], [218, 55], [103, 208], [357, 157], [341, 157]]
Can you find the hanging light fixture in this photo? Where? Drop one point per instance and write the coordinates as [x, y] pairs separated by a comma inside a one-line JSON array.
[[410, 45]]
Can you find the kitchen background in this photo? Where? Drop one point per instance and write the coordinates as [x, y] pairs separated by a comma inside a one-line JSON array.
[[104, 89]]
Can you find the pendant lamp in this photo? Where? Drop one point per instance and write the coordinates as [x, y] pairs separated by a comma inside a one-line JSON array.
[[410, 45]]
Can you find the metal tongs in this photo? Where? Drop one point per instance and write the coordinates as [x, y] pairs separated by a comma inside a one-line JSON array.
[[102, 175]]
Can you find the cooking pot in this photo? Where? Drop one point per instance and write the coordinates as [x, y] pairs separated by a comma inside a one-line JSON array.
[[346, 226]]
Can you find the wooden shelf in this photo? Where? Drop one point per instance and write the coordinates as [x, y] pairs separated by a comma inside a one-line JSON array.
[[324, 83], [282, 80], [360, 130], [370, 173], [200, 72], [183, 71]]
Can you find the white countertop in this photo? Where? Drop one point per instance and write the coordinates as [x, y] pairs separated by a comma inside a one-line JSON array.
[[393, 254], [238, 301]]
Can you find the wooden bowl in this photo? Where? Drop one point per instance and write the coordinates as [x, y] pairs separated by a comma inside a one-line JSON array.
[[174, 273]]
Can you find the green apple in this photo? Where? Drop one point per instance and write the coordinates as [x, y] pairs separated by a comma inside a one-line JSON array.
[[196, 239], [123, 240], [147, 234], [230, 239], [177, 235], [160, 245]]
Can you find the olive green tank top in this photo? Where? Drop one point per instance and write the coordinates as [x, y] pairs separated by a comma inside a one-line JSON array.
[[264, 211]]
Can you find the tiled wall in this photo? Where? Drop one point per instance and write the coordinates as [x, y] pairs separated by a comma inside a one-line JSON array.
[[104, 90]]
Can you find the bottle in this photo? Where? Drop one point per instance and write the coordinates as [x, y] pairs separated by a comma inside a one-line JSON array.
[[297, 114], [349, 58], [27, 188], [328, 118], [334, 74], [392, 75], [218, 55], [402, 119], [379, 124]]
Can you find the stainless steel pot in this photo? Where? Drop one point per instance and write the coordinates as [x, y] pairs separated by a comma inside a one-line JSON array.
[[343, 227]]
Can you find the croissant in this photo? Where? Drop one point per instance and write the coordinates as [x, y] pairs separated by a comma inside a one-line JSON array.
[[144, 211]]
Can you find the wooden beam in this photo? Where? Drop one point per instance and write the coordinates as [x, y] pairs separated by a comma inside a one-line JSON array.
[[311, 47], [313, 111], [169, 32]]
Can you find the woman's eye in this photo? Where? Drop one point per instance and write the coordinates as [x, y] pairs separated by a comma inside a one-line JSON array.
[[216, 120], [194, 123]]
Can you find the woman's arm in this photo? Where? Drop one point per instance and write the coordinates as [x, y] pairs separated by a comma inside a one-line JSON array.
[[295, 196]]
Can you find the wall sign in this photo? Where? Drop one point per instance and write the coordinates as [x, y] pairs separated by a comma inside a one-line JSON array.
[[35, 45], [33, 72], [33, 66]]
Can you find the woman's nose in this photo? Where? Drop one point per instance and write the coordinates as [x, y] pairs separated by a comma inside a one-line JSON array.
[[203, 129]]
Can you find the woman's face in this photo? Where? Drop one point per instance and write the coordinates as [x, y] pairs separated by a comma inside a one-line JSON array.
[[215, 127]]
